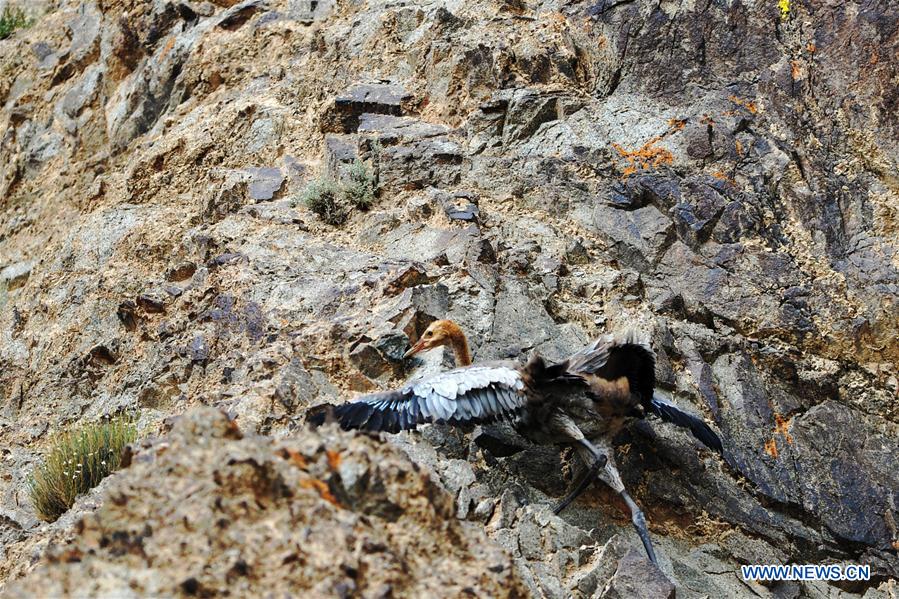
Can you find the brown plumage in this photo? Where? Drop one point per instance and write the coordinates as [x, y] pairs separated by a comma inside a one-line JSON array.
[[443, 333], [582, 402]]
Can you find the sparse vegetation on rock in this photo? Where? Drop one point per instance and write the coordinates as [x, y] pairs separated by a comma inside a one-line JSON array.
[[11, 19], [323, 197], [333, 201], [359, 187], [77, 462]]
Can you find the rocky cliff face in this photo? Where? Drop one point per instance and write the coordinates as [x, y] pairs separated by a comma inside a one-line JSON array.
[[720, 174]]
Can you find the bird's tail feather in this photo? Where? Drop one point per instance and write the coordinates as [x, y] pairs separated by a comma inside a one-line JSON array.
[[669, 412]]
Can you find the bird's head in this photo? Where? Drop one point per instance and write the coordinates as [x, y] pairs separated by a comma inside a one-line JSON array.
[[439, 332]]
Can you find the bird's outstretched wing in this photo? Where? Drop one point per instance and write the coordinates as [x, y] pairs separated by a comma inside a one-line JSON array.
[[669, 412], [474, 394]]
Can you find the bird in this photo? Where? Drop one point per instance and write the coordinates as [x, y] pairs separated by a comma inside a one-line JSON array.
[[581, 402]]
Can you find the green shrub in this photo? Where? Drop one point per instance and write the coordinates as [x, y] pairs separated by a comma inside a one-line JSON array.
[[77, 462], [324, 198], [333, 201], [359, 187], [12, 18]]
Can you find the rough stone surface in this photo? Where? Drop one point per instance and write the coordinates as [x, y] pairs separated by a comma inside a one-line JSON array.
[[721, 175], [365, 98], [317, 516]]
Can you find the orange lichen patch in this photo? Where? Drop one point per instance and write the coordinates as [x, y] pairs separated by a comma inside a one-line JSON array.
[[322, 488], [749, 105], [168, 46], [295, 457], [333, 459], [795, 70], [771, 448], [896, 544], [707, 120], [811, 48], [722, 176], [782, 426], [647, 156]]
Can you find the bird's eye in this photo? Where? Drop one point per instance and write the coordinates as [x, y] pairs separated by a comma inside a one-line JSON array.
[[428, 333]]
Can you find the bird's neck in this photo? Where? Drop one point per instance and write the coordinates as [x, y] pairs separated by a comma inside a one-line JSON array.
[[460, 349]]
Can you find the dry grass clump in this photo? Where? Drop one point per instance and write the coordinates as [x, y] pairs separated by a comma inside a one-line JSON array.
[[323, 197], [359, 187], [333, 201], [77, 462]]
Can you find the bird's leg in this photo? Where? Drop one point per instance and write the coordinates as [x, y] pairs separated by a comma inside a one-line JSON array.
[[610, 476], [596, 462], [640, 524]]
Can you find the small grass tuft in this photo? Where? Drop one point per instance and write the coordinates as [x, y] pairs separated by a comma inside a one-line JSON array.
[[359, 188], [12, 18], [77, 462], [333, 201], [323, 197]]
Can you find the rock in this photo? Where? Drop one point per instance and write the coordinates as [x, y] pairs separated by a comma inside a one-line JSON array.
[[516, 115], [638, 237], [370, 360], [831, 487], [405, 278], [126, 314], [697, 214], [576, 253], [181, 272], [360, 98], [340, 152], [419, 208], [392, 345], [15, 275], [198, 351], [411, 154], [341, 493], [637, 577], [70, 108], [308, 11], [265, 183], [484, 510], [459, 206], [151, 303]]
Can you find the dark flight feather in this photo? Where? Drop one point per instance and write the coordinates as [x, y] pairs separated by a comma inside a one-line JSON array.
[[669, 412]]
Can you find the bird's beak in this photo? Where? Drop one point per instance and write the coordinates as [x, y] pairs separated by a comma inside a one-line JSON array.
[[415, 349]]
